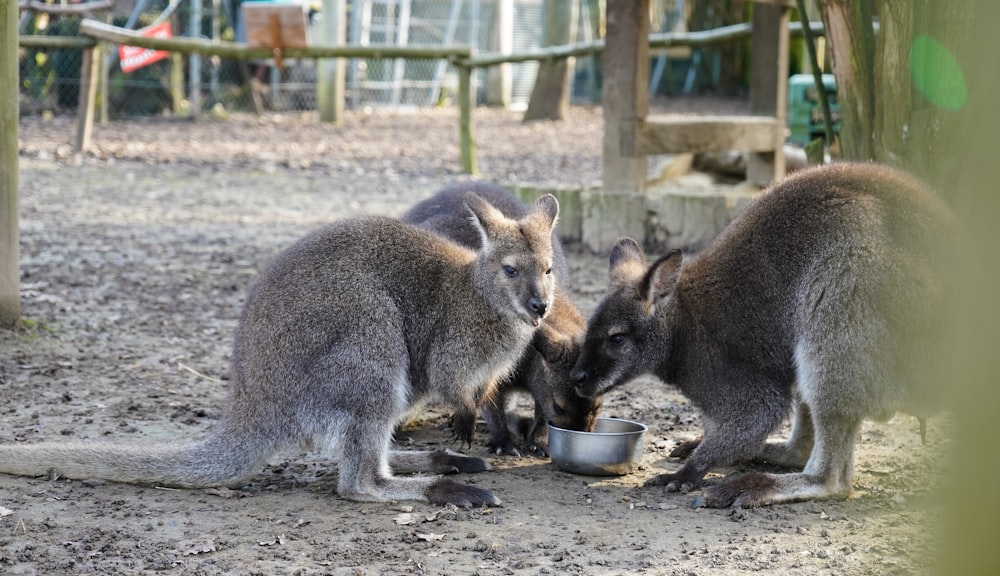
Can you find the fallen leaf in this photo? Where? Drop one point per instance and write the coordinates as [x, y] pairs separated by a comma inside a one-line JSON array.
[[227, 493], [277, 540], [202, 548], [5, 511], [406, 518], [429, 537]]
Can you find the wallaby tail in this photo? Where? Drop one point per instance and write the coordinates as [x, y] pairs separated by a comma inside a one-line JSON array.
[[217, 460]]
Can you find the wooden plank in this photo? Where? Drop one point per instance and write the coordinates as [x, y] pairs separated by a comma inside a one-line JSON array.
[[76, 9], [10, 299], [290, 20], [54, 42], [115, 35], [693, 134]]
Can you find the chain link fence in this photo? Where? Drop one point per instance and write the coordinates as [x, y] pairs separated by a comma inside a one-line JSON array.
[[50, 78]]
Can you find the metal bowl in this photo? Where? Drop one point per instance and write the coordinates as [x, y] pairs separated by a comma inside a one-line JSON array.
[[612, 449]]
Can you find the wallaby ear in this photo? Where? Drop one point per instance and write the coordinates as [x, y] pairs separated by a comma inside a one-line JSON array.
[[661, 278], [628, 262], [484, 216], [548, 207]]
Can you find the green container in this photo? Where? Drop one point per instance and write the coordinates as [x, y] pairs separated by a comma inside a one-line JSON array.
[[805, 113]]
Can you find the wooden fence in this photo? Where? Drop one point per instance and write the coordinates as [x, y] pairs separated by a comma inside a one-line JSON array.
[[96, 34]]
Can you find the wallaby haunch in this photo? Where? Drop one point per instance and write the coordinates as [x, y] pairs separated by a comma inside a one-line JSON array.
[[345, 332], [544, 369], [827, 293]]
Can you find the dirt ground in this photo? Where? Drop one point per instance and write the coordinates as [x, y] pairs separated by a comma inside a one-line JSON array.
[[136, 259]]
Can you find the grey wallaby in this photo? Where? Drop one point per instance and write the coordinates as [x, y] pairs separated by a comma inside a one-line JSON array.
[[544, 369], [826, 295], [348, 330]]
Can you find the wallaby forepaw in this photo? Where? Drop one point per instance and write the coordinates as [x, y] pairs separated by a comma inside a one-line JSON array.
[[463, 428], [505, 449], [673, 483], [684, 449], [462, 495], [539, 448]]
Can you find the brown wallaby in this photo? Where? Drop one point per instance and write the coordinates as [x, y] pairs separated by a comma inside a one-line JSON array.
[[347, 330], [544, 369], [827, 293]]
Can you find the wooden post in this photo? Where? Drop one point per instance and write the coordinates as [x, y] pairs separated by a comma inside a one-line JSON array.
[[89, 72], [769, 86], [330, 72], [177, 83], [103, 83], [625, 97], [10, 288], [466, 138], [194, 60], [620, 207]]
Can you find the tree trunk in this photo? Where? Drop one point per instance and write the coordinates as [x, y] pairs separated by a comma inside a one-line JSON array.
[[10, 303], [919, 131], [852, 42], [550, 96]]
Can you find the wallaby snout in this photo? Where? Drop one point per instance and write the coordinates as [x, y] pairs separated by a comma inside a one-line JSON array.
[[538, 305], [579, 378]]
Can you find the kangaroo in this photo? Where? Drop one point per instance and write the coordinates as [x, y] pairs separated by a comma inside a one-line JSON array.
[[827, 294], [346, 331], [544, 368]]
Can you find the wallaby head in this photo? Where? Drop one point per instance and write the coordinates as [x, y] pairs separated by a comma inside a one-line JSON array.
[[627, 336], [515, 260]]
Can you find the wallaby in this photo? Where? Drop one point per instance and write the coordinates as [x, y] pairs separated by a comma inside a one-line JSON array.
[[544, 369], [347, 330], [828, 292]]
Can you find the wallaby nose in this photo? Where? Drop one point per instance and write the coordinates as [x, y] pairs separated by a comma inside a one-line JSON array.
[[579, 377], [538, 306]]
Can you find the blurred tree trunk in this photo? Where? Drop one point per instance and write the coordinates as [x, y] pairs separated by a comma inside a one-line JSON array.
[[550, 96], [901, 91], [852, 44], [917, 128]]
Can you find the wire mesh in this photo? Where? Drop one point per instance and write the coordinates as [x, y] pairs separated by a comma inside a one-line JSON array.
[[50, 78]]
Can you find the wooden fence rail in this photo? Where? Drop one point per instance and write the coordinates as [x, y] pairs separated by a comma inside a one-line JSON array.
[[460, 56]]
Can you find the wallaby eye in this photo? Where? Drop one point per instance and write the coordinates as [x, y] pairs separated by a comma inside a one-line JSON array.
[[617, 339], [548, 271], [510, 271]]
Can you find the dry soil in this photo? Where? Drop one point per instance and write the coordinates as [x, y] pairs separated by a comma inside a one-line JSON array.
[[136, 259]]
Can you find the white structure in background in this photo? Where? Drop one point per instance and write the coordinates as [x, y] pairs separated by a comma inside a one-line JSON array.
[[486, 25]]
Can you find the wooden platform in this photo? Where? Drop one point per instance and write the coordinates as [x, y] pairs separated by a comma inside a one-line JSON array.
[[694, 134]]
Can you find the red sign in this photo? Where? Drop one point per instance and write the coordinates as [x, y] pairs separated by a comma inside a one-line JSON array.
[[134, 57]]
